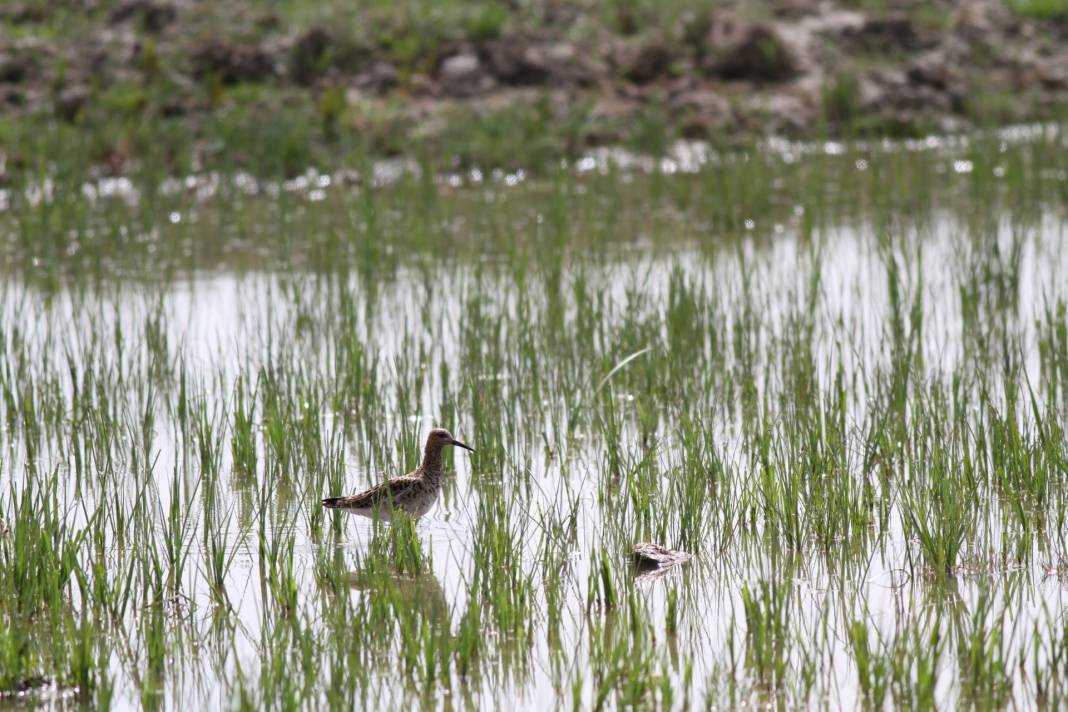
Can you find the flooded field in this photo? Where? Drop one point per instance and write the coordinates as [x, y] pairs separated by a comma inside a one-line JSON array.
[[836, 375]]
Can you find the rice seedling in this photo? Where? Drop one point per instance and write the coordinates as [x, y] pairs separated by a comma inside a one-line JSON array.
[[842, 390]]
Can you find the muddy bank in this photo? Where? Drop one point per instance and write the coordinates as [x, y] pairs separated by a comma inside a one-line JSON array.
[[391, 78]]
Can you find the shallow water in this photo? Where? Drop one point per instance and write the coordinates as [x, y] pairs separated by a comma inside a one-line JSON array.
[[513, 349]]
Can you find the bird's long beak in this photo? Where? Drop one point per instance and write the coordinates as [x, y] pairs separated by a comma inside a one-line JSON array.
[[465, 446]]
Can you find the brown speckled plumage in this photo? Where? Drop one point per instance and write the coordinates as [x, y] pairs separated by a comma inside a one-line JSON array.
[[654, 560], [413, 493]]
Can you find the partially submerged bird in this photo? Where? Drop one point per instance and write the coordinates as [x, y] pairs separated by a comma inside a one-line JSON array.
[[414, 493], [653, 560]]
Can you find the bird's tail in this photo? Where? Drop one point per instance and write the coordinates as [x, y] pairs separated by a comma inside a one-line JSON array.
[[332, 502]]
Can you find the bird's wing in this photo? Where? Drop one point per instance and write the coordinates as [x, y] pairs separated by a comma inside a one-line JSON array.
[[374, 497]]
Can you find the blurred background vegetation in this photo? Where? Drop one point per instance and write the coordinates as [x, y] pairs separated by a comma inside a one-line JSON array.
[[274, 86]]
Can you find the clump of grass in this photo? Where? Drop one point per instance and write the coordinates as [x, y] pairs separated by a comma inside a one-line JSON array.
[[1043, 9], [767, 633]]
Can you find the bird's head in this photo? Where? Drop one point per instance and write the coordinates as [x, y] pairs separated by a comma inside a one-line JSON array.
[[439, 438]]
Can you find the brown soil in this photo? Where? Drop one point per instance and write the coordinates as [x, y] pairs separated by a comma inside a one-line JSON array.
[[795, 67]]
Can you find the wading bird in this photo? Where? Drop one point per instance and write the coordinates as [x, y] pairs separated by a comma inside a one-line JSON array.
[[413, 493]]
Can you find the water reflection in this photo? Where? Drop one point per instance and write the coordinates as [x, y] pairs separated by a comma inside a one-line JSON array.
[[420, 592]]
